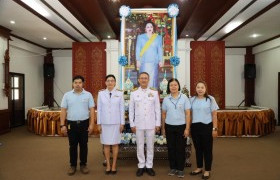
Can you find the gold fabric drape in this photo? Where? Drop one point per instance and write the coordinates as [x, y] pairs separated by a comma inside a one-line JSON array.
[[247, 122], [47, 123], [230, 122]]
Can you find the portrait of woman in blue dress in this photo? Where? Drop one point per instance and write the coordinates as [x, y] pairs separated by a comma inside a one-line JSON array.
[[149, 53]]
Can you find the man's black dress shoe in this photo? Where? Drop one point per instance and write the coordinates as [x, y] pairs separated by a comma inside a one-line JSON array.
[[140, 172], [150, 171]]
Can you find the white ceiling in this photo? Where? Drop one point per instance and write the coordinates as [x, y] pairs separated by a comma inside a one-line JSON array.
[[30, 27], [266, 25]]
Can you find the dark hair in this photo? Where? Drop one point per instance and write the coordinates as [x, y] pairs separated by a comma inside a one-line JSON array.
[[79, 77], [110, 75], [170, 81], [206, 93], [143, 73], [149, 22]]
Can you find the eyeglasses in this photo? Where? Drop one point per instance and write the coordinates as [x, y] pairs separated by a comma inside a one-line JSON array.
[[110, 81], [144, 78]]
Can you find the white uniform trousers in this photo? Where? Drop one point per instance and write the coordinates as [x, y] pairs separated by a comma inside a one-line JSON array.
[[140, 140]]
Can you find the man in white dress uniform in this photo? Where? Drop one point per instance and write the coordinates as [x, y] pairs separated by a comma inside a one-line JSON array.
[[144, 117]]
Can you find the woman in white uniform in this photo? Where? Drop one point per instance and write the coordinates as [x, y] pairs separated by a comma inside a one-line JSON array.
[[110, 120]]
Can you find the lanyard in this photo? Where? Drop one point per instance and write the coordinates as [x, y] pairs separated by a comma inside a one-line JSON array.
[[175, 104]]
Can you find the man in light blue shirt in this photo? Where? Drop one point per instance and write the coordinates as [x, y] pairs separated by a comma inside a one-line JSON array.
[[78, 107]]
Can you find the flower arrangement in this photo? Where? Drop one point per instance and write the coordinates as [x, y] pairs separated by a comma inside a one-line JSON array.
[[161, 140], [130, 138]]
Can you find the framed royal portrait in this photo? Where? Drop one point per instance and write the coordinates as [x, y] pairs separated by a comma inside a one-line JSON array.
[[148, 45]]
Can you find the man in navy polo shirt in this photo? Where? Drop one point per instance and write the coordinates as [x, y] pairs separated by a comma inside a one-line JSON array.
[[77, 107]]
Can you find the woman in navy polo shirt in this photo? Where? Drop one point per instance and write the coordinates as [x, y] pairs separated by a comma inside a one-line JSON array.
[[176, 124], [203, 128]]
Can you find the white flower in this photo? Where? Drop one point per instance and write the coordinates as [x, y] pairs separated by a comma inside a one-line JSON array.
[[173, 10], [124, 11], [133, 140], [129, 135], [164, 141]]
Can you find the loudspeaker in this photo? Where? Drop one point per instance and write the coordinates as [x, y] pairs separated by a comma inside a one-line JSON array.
[[250, 71], [48, 70]]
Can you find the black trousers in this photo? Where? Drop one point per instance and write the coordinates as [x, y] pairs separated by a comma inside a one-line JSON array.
[[78, 134], [203, 144], [176, 146]]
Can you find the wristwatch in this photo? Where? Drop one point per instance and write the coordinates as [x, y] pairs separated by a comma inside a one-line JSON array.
[[62, 125], [215, 129]]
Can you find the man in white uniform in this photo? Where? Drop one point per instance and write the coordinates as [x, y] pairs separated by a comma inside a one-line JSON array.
[[144, 117]]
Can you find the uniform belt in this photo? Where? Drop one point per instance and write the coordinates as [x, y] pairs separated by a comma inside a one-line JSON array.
[[77, 122]]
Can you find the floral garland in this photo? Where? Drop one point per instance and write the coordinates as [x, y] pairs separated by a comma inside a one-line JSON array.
[[175, 60], [123, 60]]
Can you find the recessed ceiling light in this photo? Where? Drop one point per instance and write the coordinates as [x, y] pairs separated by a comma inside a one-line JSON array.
[[12, 22], [37, 7], [231, 26], [44, 38], [109, 36], [255, 35], [187, 35]]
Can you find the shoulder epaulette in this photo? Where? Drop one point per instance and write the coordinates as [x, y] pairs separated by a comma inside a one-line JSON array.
[[101, 90], [153, 89], [134, 89], [119, 90]]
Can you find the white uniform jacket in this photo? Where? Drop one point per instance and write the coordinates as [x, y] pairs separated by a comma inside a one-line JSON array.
[[144, 109], [110, 110]]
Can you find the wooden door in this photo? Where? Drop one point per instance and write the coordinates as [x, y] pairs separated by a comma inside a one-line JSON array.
[[17, 101]]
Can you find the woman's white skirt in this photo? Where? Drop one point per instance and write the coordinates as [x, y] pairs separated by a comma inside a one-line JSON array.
[[110, 134]]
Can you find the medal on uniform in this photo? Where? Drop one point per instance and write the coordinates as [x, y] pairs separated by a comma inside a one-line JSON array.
[[150, 95], [69, 126]]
